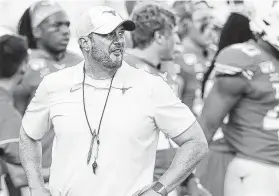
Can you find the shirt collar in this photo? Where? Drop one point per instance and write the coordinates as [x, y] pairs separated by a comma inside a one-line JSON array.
[[120, 80]]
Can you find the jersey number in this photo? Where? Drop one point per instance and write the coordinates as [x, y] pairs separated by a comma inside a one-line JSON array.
[[271, 120]]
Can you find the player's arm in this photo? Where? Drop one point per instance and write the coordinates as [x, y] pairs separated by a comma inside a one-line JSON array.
[[9, 143], [226, 92], [9, 138], [21, 96], [35, 124]]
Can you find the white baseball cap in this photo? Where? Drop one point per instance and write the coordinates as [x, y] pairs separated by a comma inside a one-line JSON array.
[[101, 20]]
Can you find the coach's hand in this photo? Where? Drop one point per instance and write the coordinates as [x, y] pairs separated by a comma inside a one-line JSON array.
[[40, 192], [150, 192], [146, 191]]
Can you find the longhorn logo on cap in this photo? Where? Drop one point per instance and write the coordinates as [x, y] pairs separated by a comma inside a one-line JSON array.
[[110, 11]]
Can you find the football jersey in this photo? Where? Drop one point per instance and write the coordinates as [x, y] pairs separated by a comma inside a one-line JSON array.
[[41, 64], [192, 63], [253, 126]]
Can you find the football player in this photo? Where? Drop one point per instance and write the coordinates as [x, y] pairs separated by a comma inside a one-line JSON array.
[[194, 22], [247, 89], [235, 30], [46, 25]]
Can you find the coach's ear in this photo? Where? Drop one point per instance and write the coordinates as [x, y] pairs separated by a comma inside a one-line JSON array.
[[158, 38], [84, 44]]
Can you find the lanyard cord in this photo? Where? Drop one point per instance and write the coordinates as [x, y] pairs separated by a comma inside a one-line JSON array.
[[93, 133]]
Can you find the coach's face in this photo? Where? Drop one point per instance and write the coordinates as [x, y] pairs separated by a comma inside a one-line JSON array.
[[108, 49]]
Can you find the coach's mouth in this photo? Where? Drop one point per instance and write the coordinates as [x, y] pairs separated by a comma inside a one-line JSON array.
[[117, 51]]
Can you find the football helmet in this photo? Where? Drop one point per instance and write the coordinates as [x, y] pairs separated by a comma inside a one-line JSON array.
[[266, 24]]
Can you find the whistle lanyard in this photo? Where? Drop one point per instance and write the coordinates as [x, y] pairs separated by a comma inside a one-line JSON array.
[[95, 134]]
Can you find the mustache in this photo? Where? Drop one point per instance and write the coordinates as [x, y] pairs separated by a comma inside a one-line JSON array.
[[117, 48]]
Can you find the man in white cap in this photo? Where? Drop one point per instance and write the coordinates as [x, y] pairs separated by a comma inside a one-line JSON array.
[[106, 117]]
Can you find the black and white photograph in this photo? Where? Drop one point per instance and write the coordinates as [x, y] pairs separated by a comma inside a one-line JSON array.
[[139, 98]]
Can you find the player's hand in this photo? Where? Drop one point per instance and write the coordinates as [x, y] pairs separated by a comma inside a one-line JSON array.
[[40, 192], [196, 189]]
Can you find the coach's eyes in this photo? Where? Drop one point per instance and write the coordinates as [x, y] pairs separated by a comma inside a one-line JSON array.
[[112, 35], [121, 33]]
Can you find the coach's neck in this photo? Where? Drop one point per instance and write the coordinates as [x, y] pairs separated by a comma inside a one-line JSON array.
[[96, 71]]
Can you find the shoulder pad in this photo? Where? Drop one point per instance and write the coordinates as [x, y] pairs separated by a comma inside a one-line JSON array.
[[221, 69], [37, 64], [238, 58], [38, 60], [238, 55]]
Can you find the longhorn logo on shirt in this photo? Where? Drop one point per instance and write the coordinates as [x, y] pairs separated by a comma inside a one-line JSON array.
[[110, 11], [123, 89]]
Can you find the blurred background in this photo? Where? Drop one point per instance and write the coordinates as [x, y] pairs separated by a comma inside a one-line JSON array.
[[11, 11]]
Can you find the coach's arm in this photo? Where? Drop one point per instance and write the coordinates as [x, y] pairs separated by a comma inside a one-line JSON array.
[[31, 159], [35, 124], [193, 147], [176, 120]]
